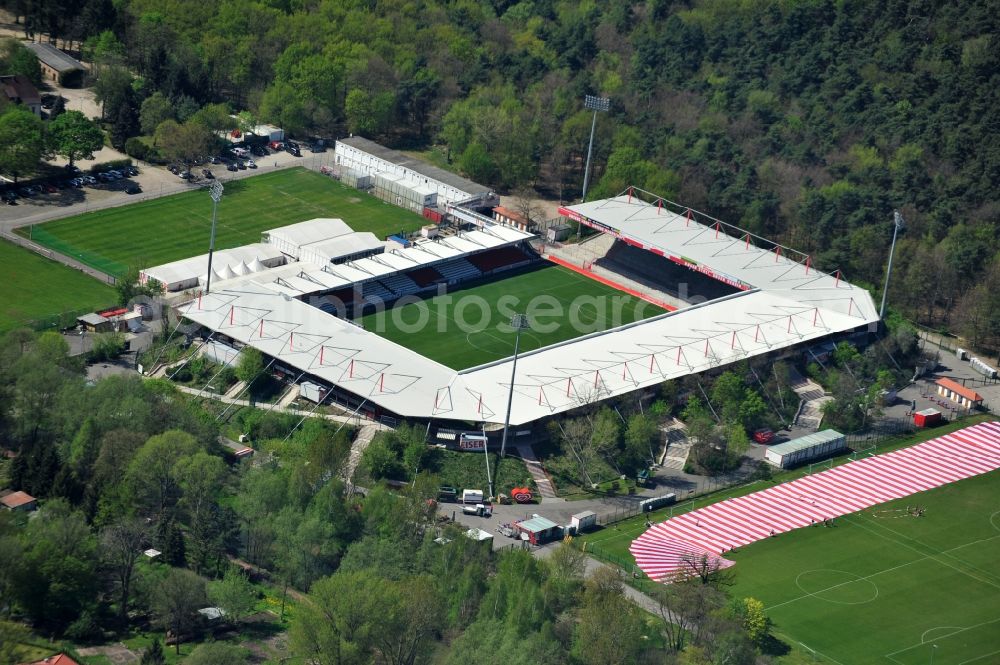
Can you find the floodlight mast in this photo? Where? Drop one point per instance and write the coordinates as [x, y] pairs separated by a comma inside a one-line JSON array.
[[216, 192], [898, 225], [518, 322], [595, 104]]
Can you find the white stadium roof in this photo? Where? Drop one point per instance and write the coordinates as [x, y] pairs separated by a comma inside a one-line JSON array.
[[784, 302]]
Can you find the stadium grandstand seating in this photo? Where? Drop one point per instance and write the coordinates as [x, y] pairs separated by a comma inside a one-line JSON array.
[[375, 292], [425, 277], [498, 259], [661, 273], [458, 270], [345, 296], [400, 284]]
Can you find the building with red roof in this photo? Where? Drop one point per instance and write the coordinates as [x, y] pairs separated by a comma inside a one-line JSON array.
[[18, 501], [956, 392]]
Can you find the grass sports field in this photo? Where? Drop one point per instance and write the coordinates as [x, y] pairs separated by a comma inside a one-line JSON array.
[[467, 327], [178, 226], [880, 587], [35, 288]]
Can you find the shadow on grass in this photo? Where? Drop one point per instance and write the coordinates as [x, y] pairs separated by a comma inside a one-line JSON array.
[[772, 646]]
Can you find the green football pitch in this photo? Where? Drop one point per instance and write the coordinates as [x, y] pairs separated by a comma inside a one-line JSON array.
[[468, 327], [178, 226], [881, 587], [36, 289]]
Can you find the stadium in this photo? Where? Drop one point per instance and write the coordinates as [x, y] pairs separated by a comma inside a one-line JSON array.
[[328, 321]]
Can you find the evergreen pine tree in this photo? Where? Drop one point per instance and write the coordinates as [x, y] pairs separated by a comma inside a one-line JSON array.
[[154, 655]]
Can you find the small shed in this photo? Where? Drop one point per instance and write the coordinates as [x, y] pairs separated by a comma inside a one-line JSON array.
[[927, 418], [538, 530], [19, 501], [805, 448], [96, 323], [558, 232], [956, 392]]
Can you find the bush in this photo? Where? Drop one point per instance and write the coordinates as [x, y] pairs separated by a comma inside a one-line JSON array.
[[107, 346], [136, 147]]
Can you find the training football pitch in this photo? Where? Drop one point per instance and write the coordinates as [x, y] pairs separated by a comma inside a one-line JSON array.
[[882, 586], [886, 587], [178, 226], [469, 327], [35, 289]]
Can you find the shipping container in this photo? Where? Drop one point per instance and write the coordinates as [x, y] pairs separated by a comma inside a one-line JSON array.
[[584, 521], [313, 391], [927, 418], [983, 368]]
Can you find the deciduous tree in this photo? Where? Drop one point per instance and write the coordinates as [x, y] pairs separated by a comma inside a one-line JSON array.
[[74, 137]]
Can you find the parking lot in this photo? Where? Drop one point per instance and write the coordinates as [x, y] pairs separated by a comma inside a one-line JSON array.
[[152, 181]]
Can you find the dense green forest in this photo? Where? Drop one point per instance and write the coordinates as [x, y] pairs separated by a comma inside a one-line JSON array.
[[125, 463], [804, 121]]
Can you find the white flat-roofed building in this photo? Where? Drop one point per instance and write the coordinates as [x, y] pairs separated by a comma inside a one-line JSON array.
[[364, 156]]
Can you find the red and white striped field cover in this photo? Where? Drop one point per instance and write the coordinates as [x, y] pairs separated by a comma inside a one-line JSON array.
[[668, 548]]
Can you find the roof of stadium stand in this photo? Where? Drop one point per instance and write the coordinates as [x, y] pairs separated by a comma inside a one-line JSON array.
[[783, 302]]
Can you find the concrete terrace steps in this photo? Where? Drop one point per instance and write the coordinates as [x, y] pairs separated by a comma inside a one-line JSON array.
[[361, 441], [545, 487], [813, 397]]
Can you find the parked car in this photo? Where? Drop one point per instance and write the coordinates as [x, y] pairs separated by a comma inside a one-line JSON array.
[[241, 165], [10, 197], [132, 171], [73, 169], [50, 188], [173, 168], [293, 149], [319, 146], [251, 164], [133, 188], [231, 166], [276, 145], [259, 150], [214, 160], [90, 180], [763, 436], [208, 174], [26, 192]]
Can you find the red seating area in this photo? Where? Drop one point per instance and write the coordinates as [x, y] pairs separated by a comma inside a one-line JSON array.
[[424, 276], [497, 258]]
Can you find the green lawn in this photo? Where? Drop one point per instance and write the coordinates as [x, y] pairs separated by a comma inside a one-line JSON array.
[[176, 227], [469, 327], [37, 290]]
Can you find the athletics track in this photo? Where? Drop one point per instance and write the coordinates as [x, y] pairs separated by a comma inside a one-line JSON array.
[[670, 547]]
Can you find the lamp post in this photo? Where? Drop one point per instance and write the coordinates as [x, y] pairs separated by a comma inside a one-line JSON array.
[[595, 104], [518, 322], [898, 225], [216, 192]]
